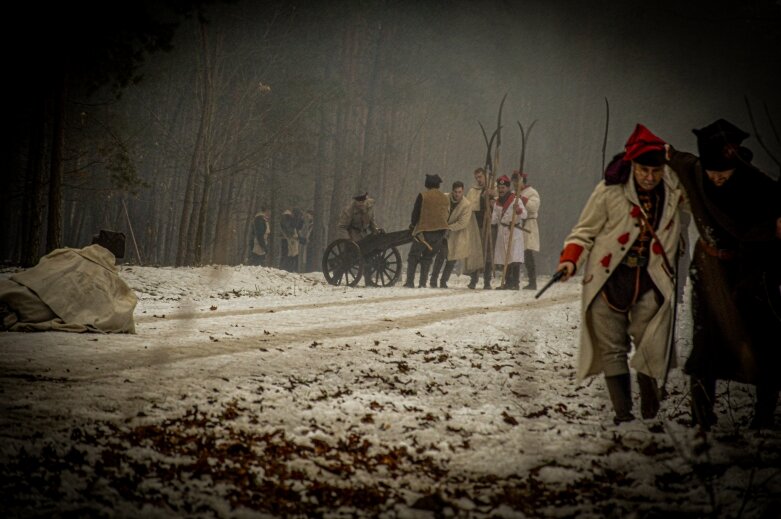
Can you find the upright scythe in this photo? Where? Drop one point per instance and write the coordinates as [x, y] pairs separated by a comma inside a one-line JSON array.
[[489, 186]]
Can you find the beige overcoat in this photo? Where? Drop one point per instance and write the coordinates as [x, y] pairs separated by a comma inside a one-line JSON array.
[[606, 230], [531, 230], [463, 241]]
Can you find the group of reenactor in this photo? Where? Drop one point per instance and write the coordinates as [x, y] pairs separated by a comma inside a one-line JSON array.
[[296, 226], [487, 227]]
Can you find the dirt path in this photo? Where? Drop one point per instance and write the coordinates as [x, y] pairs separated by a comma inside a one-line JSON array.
[[187, 337]]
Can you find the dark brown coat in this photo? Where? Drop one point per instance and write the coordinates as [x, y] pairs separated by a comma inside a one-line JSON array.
[[735, 273]]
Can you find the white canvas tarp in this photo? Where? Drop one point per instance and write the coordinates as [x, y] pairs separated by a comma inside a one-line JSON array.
[[73, 290]]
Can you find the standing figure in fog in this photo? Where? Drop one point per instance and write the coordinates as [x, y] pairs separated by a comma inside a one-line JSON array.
[[428, 225], [502, 216], [261, 232], [289, 248], [531, 229], [462, 241], [480, 196], [625, 243]]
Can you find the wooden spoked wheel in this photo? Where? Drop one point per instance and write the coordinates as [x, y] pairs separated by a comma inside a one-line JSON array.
[[383, 268], [342, 263]]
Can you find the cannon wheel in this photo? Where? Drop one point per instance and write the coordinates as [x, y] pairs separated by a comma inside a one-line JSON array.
[[383, 268], [342, 263]]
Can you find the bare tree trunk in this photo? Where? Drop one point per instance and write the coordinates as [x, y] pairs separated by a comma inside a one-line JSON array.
[[204, 206], [371, 103], [184, 248], [317, 238], [33, 202], [56, 167]]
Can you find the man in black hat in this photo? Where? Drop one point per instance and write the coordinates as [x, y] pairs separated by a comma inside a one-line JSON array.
[[428, 226], [356, 220], [735, 273]]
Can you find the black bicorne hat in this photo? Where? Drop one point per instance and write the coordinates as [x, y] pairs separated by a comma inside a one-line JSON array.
[[719, 146]]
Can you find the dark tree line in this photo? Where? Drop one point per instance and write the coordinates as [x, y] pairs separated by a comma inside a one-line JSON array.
[[229, 107]]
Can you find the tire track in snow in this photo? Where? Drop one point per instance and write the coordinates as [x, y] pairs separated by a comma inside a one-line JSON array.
[[113, 361], [286, 308]]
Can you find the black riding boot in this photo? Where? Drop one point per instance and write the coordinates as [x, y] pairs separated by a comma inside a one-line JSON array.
[[473, 279], [703, 391], [487, 276], [531, 270], [449, 266], [649, 396], [619, 387], [412, 265], [515, 279], [424, 268]]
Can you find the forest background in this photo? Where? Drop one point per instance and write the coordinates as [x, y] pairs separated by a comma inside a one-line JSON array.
[[175, 122]]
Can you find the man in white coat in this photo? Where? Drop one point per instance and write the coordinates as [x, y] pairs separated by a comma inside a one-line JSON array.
[[508, 251], [625, 244], [531, 230]]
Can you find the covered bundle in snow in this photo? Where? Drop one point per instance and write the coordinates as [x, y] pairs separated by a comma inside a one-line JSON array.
[[74, 290]]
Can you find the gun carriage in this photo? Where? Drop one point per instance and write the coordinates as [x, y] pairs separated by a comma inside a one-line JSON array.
[[375, 257]]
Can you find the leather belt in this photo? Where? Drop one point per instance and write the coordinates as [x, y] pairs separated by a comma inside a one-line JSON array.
[[722, 254]]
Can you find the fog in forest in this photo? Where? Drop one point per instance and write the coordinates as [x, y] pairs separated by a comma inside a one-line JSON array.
[[290, 104]]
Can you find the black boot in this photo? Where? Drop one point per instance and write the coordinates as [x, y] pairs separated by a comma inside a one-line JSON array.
[[764, 407], [515, 279], [449, 266], [649, 396], [439, 260], [473, 280], [424, 268], [619, 387], [412, 265], [531, 270], [487, 276], [703, 391]]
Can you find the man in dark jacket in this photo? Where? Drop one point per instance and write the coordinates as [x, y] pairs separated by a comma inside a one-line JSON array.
[[736, 271], [261, 231], [428, 226]]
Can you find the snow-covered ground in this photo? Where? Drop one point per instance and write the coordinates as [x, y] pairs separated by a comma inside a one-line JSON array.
[[253, 392]]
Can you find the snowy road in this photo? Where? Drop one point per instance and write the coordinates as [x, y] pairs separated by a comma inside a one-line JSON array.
[[297, 398]]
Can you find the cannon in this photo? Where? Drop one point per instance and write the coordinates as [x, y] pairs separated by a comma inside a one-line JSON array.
[[374, 257]]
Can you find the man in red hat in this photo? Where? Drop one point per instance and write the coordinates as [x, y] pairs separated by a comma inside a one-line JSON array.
[[508, 250], [625, 244], [736, 272]]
